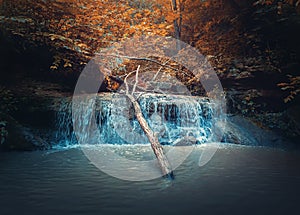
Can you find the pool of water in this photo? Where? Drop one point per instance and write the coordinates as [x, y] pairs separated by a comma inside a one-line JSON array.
[[238, 180]]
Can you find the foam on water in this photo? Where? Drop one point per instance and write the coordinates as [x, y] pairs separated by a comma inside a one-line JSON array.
[[170, 117]]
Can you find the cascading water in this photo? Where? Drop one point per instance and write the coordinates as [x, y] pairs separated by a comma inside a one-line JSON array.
[[64, 135], [170, 116]]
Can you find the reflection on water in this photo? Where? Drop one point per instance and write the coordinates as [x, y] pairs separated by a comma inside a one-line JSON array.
[[238, 180]]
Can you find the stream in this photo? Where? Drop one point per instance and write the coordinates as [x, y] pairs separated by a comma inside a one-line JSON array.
[[239, 179]]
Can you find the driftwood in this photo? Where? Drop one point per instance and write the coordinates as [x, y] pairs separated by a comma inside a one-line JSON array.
[[152, 137]]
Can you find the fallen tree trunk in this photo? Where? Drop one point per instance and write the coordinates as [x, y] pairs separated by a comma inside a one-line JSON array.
[[153, 139], [156, 146]]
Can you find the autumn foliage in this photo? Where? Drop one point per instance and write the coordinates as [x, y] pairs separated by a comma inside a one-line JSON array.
[[77, 29], [74, 30]]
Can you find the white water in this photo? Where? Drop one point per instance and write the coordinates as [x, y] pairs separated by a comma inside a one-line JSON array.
[[237, 180], [170, 117]]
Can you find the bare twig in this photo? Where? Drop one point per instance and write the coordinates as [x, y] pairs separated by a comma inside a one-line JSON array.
[[136, 79], [125, 82], [164, 64], [142, 93]]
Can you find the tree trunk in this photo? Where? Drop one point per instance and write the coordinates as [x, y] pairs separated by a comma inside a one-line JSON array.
[[157, 148], [176, 23]]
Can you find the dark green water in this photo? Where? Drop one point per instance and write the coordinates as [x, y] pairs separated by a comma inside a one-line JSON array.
[[238, 180]]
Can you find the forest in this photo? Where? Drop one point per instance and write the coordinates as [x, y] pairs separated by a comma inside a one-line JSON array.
[[252, 45], [149, 107]]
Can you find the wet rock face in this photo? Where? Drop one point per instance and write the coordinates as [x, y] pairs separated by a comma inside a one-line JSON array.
[[170, 116], [13, 136], [3, 131], [236, 131], [240, 130]]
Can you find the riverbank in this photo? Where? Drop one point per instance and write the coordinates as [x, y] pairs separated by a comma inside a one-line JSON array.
[[36, 105]]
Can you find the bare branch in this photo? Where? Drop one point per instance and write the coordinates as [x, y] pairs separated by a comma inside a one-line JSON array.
[[125, 82], [164, 64], [157, 148], [136, 79]]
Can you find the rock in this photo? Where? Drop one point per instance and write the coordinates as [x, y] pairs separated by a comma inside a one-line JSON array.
[[293, 114], [14, 136], [240, 130], [235, 132], [286, 123]]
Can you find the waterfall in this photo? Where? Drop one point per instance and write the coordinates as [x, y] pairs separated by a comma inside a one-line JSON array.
[[64, 135], [170, 116]]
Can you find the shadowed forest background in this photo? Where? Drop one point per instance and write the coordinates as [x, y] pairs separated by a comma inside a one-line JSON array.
[[253, 168], [253, 46]]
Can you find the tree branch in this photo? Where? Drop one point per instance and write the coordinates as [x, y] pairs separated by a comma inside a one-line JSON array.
[[153, 139], [136, 79], [125, 82], [164, 64], [146, 59]]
